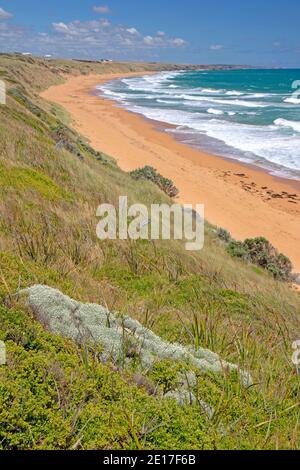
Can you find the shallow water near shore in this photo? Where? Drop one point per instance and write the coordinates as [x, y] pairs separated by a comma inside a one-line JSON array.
[[249, 115]]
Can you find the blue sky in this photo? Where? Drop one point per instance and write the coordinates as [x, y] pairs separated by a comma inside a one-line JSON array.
[[191, 31]]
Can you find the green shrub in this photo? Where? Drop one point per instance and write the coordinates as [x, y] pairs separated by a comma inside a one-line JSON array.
[[224, 235], [238, 250], [55, 397], [261, 252], [165, 374], [149, 173]]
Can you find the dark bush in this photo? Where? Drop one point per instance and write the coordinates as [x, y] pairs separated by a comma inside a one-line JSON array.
[[261, 252], [238, 250], [150, 174], [224, 235]]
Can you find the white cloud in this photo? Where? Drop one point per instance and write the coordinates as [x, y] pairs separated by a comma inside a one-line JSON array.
[[61, 28], [88, 39], [102, 33], [149, 40], [216, 47], [179, 42], [5, 15], [132, 31], [162, 40], [103, 9], [76, 28]]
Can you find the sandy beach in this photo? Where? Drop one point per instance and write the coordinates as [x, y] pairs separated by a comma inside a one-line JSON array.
[[245, 200]]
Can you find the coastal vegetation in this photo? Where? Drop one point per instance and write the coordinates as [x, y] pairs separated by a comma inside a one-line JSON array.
[[55, 393], [151, 174], [260, 252]]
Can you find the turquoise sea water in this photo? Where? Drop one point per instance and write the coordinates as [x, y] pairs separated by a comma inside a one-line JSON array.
[[250, 115]]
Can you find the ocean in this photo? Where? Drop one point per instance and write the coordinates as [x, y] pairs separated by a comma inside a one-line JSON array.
[[249, 115]]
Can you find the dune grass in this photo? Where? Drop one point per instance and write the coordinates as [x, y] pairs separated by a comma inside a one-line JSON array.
[[50, 395]]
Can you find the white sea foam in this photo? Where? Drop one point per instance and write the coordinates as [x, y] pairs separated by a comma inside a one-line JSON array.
[[258, 95], [149, 82], [234, 93], [285, 123], [193, 97], [239, 103], [242, 103], [215, 111], [168, 102], [111, 93], [208, 111], [292, 100], [262, 141], [209, 90]]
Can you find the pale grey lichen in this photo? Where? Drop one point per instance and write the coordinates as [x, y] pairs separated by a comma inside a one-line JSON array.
[[2, 354], [86, 323], [182, 397]]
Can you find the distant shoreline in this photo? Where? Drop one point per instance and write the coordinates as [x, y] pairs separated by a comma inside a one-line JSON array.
[[244, 199], [174, 109]]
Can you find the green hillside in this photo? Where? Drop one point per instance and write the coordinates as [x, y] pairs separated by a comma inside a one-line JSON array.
[[55, 394]]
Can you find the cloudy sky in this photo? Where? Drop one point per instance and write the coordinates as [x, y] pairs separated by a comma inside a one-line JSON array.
[[192, 31]]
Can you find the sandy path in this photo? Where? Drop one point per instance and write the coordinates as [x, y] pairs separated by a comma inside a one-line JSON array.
[[243, 199]]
